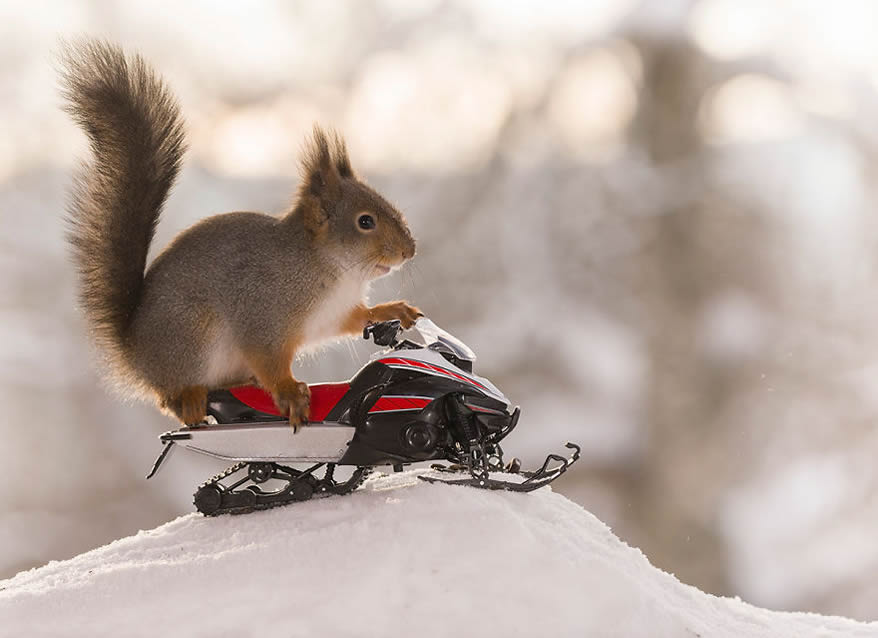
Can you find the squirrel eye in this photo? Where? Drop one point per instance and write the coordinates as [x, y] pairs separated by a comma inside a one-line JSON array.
[[366, 222]]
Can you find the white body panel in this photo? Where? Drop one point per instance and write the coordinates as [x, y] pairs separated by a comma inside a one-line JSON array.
[[434, 358], [274, 441]]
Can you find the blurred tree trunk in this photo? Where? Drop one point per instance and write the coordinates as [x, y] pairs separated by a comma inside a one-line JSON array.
[[672, 487]]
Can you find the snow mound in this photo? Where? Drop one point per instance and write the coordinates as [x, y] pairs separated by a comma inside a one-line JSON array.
[[399, 557]]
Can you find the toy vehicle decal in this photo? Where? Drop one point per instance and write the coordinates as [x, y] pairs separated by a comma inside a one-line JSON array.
[[479, 408], [399, 403], [429, 368]]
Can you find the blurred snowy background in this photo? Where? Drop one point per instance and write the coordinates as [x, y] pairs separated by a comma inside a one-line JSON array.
[[653, 221]]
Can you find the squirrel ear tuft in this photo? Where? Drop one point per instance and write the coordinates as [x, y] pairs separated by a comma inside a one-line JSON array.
[[320, 175], [340, 155]]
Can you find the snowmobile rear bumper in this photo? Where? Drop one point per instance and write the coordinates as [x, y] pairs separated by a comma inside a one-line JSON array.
[[270, 441]]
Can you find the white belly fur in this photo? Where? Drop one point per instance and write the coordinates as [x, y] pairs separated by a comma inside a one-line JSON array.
[[326, 318], [224, 362]]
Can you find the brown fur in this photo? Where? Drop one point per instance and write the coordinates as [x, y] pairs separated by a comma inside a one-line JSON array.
[[235, 296]]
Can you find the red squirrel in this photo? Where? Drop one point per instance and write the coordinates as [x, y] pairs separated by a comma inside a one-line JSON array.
[[236, 296]]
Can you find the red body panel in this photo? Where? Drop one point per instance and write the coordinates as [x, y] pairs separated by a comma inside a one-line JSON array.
[[324, 396]]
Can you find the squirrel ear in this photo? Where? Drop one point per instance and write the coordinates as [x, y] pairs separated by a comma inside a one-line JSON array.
[[321, 181], [320, 175]]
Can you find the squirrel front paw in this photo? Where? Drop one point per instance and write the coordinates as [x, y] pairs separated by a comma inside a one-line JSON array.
[[293, 398], [407, 314]]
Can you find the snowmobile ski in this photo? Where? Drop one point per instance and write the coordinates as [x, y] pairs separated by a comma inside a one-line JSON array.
[[482, 478]]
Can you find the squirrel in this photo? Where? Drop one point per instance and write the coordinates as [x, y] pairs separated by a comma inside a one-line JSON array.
[[233, 298]]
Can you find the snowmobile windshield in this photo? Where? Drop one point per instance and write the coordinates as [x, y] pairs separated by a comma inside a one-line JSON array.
[[434, 336]]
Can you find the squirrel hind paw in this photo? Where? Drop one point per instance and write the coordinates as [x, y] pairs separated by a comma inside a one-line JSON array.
[[293, 399], [189, 405]]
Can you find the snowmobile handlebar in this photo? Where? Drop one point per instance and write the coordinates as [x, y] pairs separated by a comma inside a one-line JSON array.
[[383, 333]]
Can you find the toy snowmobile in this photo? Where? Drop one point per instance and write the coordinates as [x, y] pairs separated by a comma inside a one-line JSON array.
[[417, 401]]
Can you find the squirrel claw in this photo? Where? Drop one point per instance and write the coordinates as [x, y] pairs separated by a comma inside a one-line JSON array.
[[298, 419], [293, 398]]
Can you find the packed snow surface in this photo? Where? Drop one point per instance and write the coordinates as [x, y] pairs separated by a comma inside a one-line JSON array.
[[399, 557]]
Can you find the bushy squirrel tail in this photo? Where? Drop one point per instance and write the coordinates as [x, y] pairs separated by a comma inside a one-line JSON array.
[[136, 135]]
